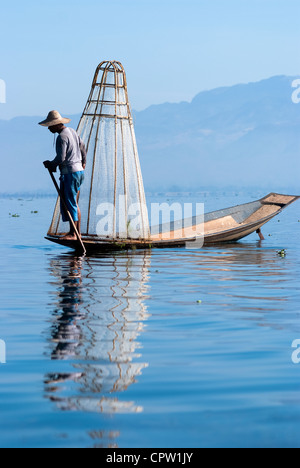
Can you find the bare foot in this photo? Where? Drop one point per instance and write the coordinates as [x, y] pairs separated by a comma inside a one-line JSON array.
[[70, 237]]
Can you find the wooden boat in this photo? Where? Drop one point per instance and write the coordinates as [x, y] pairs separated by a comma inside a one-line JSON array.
[[113, 179], [228, 225]]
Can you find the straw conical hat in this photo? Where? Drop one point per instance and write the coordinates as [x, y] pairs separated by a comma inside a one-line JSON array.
[[54, 118]]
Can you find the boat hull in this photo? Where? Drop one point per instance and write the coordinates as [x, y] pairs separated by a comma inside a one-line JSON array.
[[229, 225]]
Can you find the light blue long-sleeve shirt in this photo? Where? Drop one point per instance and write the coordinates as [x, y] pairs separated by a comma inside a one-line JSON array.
[[70, 152]]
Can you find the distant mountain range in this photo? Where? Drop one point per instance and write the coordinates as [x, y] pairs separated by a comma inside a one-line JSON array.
[[240, 136]]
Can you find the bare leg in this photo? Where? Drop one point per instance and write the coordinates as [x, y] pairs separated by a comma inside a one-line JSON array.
[[78, 223], [72, 234]]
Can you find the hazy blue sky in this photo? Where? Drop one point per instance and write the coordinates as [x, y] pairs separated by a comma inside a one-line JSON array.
[[171, 49]]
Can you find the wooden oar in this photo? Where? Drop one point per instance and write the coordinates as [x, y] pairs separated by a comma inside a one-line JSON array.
[[67, 211]]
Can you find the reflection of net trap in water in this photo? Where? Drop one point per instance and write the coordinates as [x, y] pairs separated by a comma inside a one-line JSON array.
[[96, 326], [112, 199]]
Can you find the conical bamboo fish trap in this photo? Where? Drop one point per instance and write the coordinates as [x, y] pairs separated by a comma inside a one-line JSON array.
[[112, 198]]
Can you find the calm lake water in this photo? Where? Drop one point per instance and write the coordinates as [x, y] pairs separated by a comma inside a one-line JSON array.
[[116, 350]]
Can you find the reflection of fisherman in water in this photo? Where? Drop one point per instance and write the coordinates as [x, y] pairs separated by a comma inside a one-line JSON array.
[[96, 323], [66, 331]]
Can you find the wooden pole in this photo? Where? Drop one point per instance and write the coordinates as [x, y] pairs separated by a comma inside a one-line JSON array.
[[67, 211], [261, 236]]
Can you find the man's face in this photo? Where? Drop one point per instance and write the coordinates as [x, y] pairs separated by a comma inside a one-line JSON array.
[[55, 128]]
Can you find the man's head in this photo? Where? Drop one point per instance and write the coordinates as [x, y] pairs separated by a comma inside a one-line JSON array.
[[53, 121], [56, 128]]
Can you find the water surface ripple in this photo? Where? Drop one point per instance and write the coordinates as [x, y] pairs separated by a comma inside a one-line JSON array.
[[162, 348]]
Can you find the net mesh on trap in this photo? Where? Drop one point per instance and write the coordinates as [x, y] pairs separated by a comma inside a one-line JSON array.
[[112, 197]]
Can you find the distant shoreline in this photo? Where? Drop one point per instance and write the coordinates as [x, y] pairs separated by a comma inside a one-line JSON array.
[[205, 192]]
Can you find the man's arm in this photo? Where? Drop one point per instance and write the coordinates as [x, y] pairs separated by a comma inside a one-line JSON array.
[[61, 151], [83, 152]]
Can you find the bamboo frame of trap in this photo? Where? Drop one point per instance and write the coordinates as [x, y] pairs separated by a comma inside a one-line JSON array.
[[98, 89]]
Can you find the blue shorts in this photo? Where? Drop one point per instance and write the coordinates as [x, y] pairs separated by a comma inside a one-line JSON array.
[[70, 185]]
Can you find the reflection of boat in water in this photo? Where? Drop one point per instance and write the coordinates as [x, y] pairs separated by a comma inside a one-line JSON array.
[[112, 199], [95, 327]]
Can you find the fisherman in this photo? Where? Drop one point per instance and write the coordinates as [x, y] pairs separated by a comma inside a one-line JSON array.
[[71, 159]]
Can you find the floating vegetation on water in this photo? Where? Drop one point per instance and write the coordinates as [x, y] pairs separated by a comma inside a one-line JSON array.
[[199, 302], [282, 253], [14, 215], [34, 212]]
